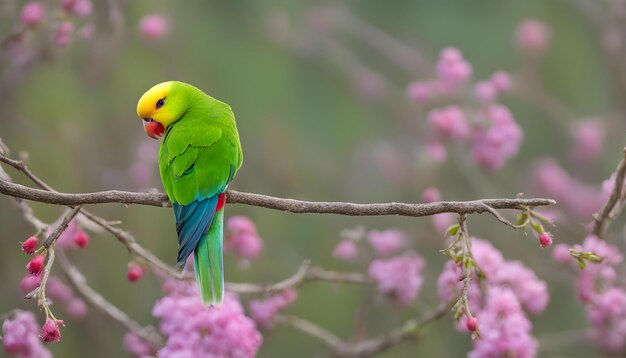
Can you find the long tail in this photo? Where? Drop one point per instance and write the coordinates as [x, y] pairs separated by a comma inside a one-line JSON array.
[[208, 260]]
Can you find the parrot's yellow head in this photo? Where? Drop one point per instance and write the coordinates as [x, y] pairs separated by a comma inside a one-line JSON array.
[[159, 107]]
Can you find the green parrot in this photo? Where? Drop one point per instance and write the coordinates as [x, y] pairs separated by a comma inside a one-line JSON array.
[[199, 155]]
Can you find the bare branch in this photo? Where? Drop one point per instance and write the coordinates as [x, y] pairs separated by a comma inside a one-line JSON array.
[[306, 273], [282, 204], [614, 205], [408, 331]]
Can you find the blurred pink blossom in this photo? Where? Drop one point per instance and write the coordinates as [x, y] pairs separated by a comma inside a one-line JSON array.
[[441, 222], [153, 27], [560, 253], [76, 308], [501, 81], [242, 238], [499, 140], [449, 122], [346, 250], [431, 194], [436, 151], [485, 91], [20, 336], [263, 311], [588, 138], [63, 32], [421, 92], [399, 277], [138, 346], [452, 69], [29, 283], [32, 13], [386, 242], [533, 36], [82, 8]]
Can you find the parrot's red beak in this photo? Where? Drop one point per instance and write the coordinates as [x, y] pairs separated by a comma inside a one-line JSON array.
[[153, 128]]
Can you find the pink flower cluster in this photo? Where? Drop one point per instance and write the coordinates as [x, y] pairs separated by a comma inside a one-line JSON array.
[[263, 311], [346, 250], [399, 277], [603, 295], [587, 137], [195, 330], [242, 238], [138, 346], [499, 138], [20, 337], [491, 129], [386, 242], [510, 289], [578, 199]]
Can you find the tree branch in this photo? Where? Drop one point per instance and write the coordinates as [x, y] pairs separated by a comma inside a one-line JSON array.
[[305, 273], [614, 205], [282, 204]]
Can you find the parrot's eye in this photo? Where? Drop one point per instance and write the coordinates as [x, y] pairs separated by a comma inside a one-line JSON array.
[[160, 103]]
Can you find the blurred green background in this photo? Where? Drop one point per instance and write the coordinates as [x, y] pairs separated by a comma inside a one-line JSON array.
[[307, 134]]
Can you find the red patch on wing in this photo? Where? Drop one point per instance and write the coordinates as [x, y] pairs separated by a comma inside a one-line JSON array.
[[221, 201]]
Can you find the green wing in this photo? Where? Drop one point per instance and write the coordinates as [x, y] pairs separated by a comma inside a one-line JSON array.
[[199, 157]]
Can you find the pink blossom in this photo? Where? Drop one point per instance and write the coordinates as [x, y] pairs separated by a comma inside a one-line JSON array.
[[195, 330], [487, 257], [431, 194], [50, 331], [545, 239], [33, 13], [63, 32], [346, 250], [449, 282], [485, 91], [138, 346], [82, 8], [499, 141], [242, 238], [560, 253], [472, 324], [452, 69], [533, 36], [19, 336], [421, 92], [29, 283], [153, 27], [449, 122], [263, 311], [76, 308], [436, 151], [588, 138], [399, 277], [551, 179], [386, 242], [504, 330], [531, 292], [501, 81], [30, 245], [35, 266]]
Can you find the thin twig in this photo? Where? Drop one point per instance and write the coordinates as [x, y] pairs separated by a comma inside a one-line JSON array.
[[305, 273], [614, 205]]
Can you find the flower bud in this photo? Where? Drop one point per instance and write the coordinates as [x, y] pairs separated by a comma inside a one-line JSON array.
[[35, 265], [30, 245]]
